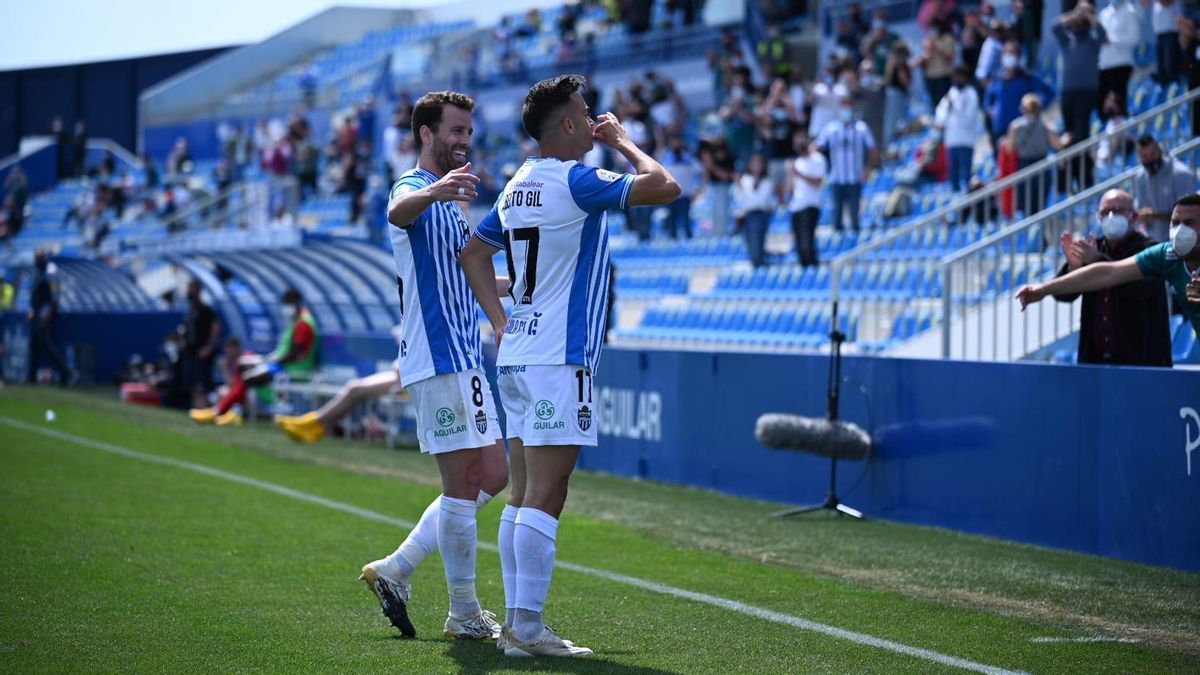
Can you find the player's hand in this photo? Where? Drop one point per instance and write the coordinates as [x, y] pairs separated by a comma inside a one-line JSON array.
[[458, 185], [1193, 289], [1086, 250], [609, 130], [498, 329], [1030, 294]]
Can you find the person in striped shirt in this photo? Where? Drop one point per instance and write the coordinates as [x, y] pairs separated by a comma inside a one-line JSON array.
[[441, 366], [551, 222], [852, 151]]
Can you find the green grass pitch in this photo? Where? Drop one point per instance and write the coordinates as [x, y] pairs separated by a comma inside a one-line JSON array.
[[241, 553]]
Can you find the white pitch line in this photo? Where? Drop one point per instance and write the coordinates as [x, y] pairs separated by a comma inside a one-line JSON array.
[[703, 598], [1094, 638]]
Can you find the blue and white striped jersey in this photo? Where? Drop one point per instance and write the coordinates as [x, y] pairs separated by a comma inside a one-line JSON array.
[[551, 220], [437, 308]]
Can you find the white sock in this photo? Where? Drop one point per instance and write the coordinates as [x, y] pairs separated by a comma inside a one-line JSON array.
[[533, 541], [420, 543], [456, 536], [482, 500], [508, 561]]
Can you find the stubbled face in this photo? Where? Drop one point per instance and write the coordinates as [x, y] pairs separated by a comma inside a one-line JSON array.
[[584, 126], [450, 145]]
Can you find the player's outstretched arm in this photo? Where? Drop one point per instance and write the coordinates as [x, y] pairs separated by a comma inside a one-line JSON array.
[[654, 185], [408, 202], [1091, 278], [476, 261]]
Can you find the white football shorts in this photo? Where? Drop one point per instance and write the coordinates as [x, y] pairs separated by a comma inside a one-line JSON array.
[[548, 405], [455, 411]]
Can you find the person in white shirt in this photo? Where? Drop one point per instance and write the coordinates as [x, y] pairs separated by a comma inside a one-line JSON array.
[[957, 116], [807, 177], [1122, 25], [826, 100], [1164, 18], [686, 169], [551, 222], [756, 202]]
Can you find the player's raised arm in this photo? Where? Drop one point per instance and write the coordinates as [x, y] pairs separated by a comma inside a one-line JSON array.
[[1094, 277], [653, 185], [407, 201]]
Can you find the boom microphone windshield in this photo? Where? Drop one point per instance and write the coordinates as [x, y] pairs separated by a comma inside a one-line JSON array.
[[836, 439]]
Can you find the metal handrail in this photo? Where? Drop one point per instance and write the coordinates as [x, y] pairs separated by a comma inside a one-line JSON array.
[[1034, 171], [989, 243]]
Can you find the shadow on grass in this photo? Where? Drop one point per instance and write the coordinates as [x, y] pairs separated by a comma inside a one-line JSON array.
[[483, 657]]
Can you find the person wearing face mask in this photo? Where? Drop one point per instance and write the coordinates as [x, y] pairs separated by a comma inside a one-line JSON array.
[[1125, 324], [1002, 100], [957, 115], [1176, 261], [852, 151], [1122, 23], [1080, 37], [1159, 182]]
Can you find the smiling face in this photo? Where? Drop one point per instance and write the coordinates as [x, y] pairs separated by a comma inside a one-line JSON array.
[[449, 145]]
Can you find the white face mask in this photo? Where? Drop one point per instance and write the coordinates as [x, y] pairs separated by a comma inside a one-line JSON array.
[[288, 312], [1009, 61], [1114, 226], [845, 114], [1183, 240]]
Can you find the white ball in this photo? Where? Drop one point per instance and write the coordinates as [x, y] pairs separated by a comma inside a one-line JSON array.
[[49, 415]]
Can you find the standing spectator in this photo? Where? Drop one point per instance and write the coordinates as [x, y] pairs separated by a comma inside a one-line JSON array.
[[59, 131], [719, 170], [17, 187], [201, 333], [238, 150], [180, 159], [756, 201], [851, 150], [991, 55], [1122, 24], [808, 174], [43, 312], [1111, 152], [826, 101], [79, 146], [1157, 185], [777, 122], [1126, 324], [1032, 141], [150, 170], [1164, 18], [937, 59], [958, 116], [877, 45], [871, 98], [1028, 27], [773, 54], [366, 122], [686, 169], [971, 40], [1080, 36], [897, 78], [1003, 98], [1189, 40]]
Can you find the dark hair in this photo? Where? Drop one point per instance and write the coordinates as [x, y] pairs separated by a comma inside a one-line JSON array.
[[427, 111], [291, 297], [961, 71], [232, 341], [1146, 140], [544, 99], [1188, 200]]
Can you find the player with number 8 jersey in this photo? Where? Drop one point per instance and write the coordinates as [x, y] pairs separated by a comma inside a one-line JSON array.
[[551, 222]]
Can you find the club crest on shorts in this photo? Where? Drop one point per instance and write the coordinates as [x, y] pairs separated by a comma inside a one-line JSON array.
[[481, 421], [544, 409], [584, 418], [445, 417]]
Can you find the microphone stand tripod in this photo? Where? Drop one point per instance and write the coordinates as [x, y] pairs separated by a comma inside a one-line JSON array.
[[836, 338]]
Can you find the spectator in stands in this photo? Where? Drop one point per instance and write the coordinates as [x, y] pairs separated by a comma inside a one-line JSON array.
[[852, 151], [150, 169], [1080, 37], [719, 173], [897, 78], [827, 99], [43, 312], [1177, 262], [773, 53], [16, 186], [1122, 24], [957, 115], [777, 123], [877, 45], [202, 332], [180, 159], [991, 55], [1032, 139], [1164, 18], [79, 147], [1157, 185], [59, 131], [756, 201], [308, 84], [1028, 27], [1189, 40], [365, 118], [687, 171], [1117, 145], [262, 142], [808, 173], [296, 353], [306, 156], [971, 39], [937, 59], [867, 90], [237, 150], [1004, 96], [1126, 324], [932, 11]]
